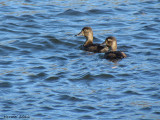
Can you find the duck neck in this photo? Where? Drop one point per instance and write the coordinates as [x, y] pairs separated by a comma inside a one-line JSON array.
[[113, 49], [114, 46], [89, 40]]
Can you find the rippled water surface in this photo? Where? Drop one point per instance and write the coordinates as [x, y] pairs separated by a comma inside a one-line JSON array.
[[44, 75]]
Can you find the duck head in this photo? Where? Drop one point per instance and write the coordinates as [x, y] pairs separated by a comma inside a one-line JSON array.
[[110, 42], [88, 33]]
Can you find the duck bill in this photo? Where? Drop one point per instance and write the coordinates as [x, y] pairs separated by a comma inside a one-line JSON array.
[[103, 44], [80, 34]]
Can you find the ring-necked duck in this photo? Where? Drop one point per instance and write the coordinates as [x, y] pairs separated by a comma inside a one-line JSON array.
[[88, 45], [111, 42]]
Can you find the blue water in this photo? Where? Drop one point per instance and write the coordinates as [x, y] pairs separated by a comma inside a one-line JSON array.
[[44, 75]]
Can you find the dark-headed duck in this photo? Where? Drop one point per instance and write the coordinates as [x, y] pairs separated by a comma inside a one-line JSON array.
[[88, 45], [112, 54]]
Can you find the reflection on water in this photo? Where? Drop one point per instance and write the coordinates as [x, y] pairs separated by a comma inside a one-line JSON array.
[[45, 75]]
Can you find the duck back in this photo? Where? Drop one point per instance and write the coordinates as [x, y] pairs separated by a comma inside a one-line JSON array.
[[96, 48], [115, 55]]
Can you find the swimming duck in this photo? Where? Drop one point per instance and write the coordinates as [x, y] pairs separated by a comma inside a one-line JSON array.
[[112, 54], [88, 45]]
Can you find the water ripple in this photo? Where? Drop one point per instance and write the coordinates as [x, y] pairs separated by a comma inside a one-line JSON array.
[[71, 12], [70, 98], [45, 74], [5, 85]]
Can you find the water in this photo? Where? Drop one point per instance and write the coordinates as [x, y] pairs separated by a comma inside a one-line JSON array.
[[45, 76]]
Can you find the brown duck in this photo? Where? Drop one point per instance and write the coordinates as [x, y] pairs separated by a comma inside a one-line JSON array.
[[88, 45], [111, 43]]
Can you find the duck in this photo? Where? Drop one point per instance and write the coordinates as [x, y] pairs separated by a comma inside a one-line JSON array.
[[88, 45], [113, 54]]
